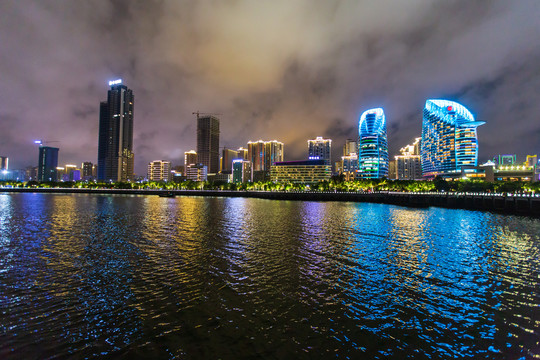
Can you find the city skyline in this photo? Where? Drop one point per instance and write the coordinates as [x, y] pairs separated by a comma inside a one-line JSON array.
[[310, 78]]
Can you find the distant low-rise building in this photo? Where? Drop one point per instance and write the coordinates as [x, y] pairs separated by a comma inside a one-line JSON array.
[[303, 171], [197, 172], [4, 162]]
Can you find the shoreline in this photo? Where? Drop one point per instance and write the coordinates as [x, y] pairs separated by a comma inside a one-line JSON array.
[[499, 203]]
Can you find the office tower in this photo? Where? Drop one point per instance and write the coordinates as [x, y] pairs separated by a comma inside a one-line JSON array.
[[47, 163], [159, 170], [115, 147], [87, 170], [262, 155], [4, 162], [227, 160], [320, 149], [208, 142], [408, 165], [372, 145], [242, 153], [350, 147], [449, 140], [241, 171]]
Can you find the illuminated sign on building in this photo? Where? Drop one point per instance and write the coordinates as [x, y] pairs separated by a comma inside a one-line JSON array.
[[115, 82]]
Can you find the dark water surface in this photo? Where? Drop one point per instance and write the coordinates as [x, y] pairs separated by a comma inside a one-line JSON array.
[[191, 277]]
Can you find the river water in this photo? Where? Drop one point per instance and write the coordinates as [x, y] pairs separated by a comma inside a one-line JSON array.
[[88, 276]]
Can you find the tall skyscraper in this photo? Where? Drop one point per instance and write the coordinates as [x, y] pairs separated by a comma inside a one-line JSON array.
[[208, 142], [320, 149], [115, 148], [47, 163], [159, 170], [372, 145], [449, 140], [263, 154]]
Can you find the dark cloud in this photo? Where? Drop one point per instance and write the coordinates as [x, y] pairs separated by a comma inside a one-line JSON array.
[[274, 70]]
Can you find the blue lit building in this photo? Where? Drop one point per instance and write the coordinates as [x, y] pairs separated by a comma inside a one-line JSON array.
[[372, 145], [449, 142]]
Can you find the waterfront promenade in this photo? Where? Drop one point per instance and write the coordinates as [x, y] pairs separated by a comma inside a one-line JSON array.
[[521, 204]]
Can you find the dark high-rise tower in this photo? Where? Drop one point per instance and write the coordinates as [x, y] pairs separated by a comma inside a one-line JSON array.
[[208, 142], [115, 148], [48, 161]]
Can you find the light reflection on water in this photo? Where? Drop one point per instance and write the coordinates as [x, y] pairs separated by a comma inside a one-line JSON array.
[[135, 276]]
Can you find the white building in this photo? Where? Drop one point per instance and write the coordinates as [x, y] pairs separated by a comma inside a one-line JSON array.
[[159, 170]]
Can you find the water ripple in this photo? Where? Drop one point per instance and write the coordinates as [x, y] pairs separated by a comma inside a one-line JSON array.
[[132, 276]]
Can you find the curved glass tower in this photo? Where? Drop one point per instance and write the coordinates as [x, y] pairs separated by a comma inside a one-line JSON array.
[[448, 138], [372, 145]]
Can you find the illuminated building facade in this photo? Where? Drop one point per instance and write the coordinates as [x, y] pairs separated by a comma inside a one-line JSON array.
[[372, 145], [408, 165], [320, 149], [190, 158], [349, 166], [303, 172], [227, 159], [159, 170], [47, 163], [449, 141], [115, 147], [505, 159], [350, 147], [197, 172], [241, 172], [262, 154], [208, 142], [532, 160], [242, 153]]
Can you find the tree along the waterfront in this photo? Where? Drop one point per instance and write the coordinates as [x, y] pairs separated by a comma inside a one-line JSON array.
[[334, 184]]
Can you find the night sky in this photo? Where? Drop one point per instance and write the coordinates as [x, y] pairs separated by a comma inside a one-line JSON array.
[[285, 70]]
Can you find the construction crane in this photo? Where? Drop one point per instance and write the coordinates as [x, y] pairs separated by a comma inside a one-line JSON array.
[[44, 142], [201, 113]]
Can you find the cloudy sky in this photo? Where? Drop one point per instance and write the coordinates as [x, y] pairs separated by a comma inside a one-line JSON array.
[[288, 70]]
